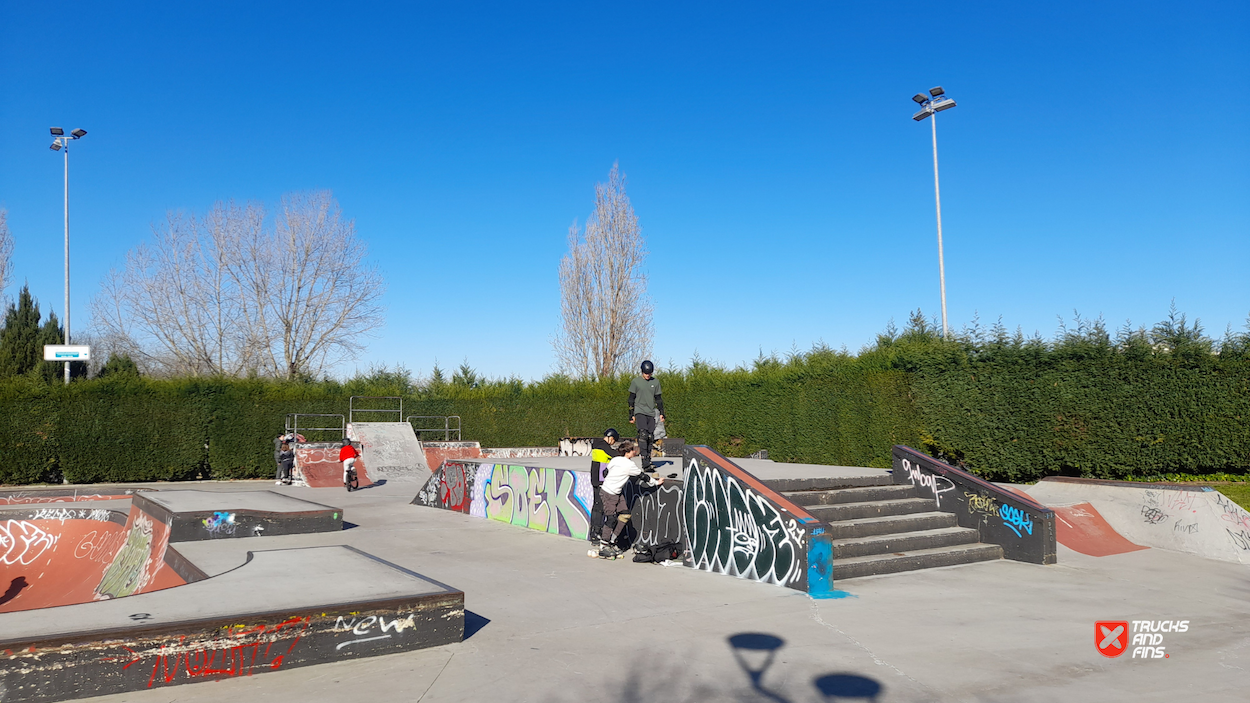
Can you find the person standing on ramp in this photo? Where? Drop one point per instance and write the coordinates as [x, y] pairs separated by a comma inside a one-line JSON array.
[[601, 452], [645, 405]]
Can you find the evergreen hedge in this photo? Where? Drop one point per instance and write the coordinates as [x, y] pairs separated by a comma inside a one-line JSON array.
[[1005, 407]]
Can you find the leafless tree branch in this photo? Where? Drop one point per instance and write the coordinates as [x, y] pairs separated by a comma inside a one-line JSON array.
[[604, 306]]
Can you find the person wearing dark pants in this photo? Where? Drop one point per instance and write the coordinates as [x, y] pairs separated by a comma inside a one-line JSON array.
[[645, 406], [286, 460], [601, 452], [615, 506]]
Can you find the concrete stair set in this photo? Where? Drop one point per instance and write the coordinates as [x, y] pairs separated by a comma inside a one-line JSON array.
[[879, 527]]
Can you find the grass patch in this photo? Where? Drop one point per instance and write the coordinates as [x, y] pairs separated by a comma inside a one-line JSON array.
[[1239, 493]]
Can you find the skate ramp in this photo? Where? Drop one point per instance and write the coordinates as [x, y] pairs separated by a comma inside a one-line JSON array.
[[60, 556], [1179, 518], [1083, 529], [281, 609], [391, 450], [201, 515], [317, 465]]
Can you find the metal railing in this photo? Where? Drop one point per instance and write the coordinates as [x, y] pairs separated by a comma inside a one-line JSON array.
[[447, 429], [352, 409], [293, 425]]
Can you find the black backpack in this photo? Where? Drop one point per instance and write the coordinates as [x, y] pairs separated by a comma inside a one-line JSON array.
[[657, 553]]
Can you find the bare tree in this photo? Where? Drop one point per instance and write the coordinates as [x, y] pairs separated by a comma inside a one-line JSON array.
[[224, 294], [6, 249], [309, 287], [604, 307]]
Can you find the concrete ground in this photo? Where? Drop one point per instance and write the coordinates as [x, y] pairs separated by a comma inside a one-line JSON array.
[[546, 623]]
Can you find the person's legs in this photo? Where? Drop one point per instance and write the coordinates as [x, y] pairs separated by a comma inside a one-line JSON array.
[[347, 465], [616, 514], [646, 436], [596, 512]]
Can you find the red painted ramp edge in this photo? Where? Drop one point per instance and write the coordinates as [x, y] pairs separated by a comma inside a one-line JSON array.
[[1081, 528]]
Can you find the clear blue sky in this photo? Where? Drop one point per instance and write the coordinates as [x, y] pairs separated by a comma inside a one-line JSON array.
[[1099, 159]]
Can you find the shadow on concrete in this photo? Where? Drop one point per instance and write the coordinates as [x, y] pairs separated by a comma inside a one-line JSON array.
[[755, 652], [373, 484], [843, 686], [473, 622], [15, 587], [349, 525]]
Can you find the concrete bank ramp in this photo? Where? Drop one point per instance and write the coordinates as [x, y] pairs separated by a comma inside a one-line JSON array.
[[1198, 520], [391, 451], [282, 609], [60, 554], [197, 515]]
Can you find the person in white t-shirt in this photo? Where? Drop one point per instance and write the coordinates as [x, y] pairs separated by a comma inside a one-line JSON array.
[[615, 507]]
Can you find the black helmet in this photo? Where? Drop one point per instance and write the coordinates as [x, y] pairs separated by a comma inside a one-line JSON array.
[[648, 367], [346, 441], [611, 433]]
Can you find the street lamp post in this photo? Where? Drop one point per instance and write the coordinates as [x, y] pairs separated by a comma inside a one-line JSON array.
[[930, 105], [60, 142]]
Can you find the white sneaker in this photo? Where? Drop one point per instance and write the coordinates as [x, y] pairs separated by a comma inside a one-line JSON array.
[[277, 483]]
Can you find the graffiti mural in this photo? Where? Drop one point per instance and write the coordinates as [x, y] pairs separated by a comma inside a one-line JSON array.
[[658, 514], [552, 500], [538, 498], [139, 559], [735, 531], [1024, 528], [22, 542], [220, 523]]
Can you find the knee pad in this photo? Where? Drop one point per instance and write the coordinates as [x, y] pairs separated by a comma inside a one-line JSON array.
[[623, 517]]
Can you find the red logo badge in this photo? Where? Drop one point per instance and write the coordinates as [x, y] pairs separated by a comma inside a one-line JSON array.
[[1111, 637]]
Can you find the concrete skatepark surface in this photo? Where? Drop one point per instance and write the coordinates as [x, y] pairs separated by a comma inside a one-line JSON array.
[[545, 623]]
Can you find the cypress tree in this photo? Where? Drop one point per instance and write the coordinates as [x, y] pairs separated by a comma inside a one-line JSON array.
[[19, 350]]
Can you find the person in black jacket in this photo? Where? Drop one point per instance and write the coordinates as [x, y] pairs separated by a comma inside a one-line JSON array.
[[601, 452]]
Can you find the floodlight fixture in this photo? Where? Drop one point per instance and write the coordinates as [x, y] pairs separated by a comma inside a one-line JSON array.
[[79, 133], [922, 114], [57, 132], [942, 104], [56, 146], [936, 91], [919, 98]]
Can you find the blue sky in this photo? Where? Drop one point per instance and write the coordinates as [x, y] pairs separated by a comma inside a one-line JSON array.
[[1099, 159]]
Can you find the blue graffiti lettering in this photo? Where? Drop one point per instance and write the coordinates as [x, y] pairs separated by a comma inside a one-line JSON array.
[[1016, 519]]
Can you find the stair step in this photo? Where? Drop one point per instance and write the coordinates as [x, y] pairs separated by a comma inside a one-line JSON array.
[[913, 560], [903, 542], [887, 524], [894, 491], [872, 508], [828, 483]]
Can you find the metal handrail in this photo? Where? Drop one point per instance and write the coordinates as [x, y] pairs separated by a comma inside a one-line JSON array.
[[292, 423], [446, 429], [352, 409]]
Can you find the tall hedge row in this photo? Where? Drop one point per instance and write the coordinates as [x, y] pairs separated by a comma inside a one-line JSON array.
[[1006, 408]]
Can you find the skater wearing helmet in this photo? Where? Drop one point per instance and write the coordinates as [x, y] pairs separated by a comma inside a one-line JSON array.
[[601, 452], [348, 455], [645, 405]]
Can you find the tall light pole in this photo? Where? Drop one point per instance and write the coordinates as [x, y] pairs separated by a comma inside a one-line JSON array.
[[930, 105], [60, 142]]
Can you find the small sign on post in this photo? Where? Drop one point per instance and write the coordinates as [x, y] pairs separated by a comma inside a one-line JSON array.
[[66, 352]]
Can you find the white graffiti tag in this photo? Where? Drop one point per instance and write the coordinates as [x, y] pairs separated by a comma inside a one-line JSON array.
[[936, 484], [735, 531], [362, 628], [22, 542]]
